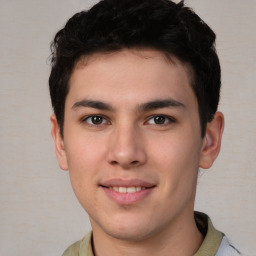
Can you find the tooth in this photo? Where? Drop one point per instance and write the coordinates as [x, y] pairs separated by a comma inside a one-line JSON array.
[[127, 189], [131, 190], [122, 190]]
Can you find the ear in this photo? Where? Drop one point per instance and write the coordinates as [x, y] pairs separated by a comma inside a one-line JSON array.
[[212, 141], [59, 143]]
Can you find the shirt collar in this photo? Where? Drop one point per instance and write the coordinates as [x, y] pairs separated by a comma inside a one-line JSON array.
[[212, 237]]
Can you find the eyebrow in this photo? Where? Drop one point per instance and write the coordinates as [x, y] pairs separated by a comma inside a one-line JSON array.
[[157, 104], [92, 104], [151, 105]]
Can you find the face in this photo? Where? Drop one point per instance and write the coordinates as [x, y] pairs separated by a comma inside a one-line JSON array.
[[132, 142]]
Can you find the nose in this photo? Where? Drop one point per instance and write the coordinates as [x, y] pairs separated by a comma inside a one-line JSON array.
[[125, 148]]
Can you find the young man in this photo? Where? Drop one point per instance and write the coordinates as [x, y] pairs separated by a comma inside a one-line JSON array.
[[135, 88]]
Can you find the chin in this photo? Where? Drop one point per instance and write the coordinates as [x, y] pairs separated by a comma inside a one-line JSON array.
[[132, 231], [128, 225], [130, 234]]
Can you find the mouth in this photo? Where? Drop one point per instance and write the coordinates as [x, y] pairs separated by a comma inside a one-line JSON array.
[[127, 191]]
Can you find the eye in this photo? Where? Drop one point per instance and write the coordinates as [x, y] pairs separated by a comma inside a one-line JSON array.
[[161, 120], [95, 120]]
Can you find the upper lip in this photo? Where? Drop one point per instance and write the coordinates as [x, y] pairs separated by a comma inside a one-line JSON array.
[[126, 183]]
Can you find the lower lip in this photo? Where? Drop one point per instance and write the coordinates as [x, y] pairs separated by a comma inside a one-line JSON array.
[[127, 198]]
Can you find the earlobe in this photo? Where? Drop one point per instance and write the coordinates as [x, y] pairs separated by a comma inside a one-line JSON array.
[[59, 144], [212, 141]]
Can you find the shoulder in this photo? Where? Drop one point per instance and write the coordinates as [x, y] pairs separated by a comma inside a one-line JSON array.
[[80, 248], [73, 250], [215, 242], [226, 249]]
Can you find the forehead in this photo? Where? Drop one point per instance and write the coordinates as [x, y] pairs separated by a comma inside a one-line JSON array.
[[137, 54], [134, 74]]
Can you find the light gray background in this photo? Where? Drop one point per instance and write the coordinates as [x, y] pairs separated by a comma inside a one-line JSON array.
[[39, 214]]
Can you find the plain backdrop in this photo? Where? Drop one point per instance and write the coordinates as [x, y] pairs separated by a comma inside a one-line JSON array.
[[39, 214]]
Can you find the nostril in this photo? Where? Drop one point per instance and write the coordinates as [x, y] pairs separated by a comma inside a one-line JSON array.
[[133, 163], [114, 162]]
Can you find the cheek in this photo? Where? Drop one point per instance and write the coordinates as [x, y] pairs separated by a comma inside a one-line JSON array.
[[178, 150], [83, 153], [178, 161], [84, 158], [179, 175]]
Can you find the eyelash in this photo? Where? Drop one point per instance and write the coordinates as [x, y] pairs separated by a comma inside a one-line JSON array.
[[105, 120], [166, 118], [95, 116]]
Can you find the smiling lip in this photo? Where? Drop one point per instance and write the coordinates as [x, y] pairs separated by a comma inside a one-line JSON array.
[[127, 191]]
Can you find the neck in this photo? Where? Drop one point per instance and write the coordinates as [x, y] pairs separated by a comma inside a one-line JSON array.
[[179, 238]]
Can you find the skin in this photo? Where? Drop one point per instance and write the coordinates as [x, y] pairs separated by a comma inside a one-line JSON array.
[[128, 143]]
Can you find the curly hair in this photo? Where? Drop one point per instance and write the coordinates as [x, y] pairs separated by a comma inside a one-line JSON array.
[[112, 25]]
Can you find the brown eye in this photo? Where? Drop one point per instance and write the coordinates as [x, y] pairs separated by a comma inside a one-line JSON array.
[[96, 120], [160, 120]]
